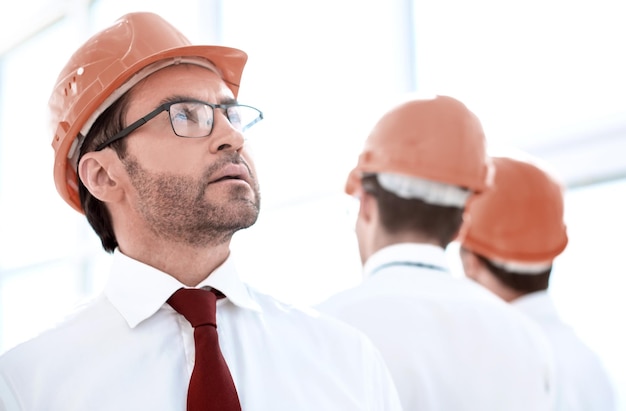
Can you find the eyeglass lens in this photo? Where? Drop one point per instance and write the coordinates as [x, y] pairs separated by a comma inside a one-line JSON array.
[[195, 119]]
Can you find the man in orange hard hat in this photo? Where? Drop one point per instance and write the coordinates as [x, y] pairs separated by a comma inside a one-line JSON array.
[[511, 236], [149, 145], [449, 343]]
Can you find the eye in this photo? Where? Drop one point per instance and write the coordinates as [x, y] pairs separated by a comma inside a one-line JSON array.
[[191, 119], [183, 112]]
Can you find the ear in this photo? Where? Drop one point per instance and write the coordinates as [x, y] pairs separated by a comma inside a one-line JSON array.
[[96, 171], [367, 207], [366, 227]]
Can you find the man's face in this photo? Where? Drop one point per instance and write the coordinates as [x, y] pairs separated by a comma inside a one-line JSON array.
[[194, 191]]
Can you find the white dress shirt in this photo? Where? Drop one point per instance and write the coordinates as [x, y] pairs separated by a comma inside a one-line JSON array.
[[582, 383], [129, 350], [450, 344]]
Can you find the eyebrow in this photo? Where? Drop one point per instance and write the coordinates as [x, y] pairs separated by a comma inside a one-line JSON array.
[[181, 97]]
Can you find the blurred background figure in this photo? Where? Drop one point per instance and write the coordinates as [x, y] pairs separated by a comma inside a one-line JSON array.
[[511, 236], [449, 343]]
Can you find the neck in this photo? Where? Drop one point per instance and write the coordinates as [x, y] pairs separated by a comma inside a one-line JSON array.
[[189, 265], [386, 239], [492, 283]]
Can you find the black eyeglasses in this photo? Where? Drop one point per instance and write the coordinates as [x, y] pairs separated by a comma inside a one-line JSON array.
[[193, 119]]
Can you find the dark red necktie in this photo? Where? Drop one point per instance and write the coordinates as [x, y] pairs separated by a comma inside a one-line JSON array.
[[211, 387]]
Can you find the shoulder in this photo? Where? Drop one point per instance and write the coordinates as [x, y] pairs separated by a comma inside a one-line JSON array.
[[309, 325], [65, 337], [328, 350], [298, 315]]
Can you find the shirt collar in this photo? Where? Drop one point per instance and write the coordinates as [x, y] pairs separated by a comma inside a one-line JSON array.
[[138, 290], [423, 255], [226, 279], [538, 304]]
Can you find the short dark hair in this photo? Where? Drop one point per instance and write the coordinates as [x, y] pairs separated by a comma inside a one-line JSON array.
[[109, 123], [397, 214], [521, 282]]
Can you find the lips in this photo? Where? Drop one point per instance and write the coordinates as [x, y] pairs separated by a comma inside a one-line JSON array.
[[231, 172]]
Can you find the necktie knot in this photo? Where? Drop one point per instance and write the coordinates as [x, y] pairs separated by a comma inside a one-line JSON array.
[[196, 305]]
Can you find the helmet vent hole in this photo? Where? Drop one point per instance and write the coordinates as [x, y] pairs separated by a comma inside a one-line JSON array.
[[72, 86]]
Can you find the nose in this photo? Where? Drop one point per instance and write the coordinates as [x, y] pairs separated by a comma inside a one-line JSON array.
[[224, 136]]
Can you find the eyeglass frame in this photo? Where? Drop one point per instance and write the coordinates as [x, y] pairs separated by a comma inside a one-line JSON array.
[[166, 107]]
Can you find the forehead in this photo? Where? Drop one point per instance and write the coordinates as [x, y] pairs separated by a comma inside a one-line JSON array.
[[187, 80]]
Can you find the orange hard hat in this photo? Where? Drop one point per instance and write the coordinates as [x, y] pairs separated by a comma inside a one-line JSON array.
[[520, 218], [437, 139], [96, 73]]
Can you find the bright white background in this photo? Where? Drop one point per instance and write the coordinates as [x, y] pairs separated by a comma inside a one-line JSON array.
[[546, 76]]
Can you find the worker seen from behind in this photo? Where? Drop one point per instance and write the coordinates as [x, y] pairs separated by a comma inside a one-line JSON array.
[[510, 239], [449, 343]]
